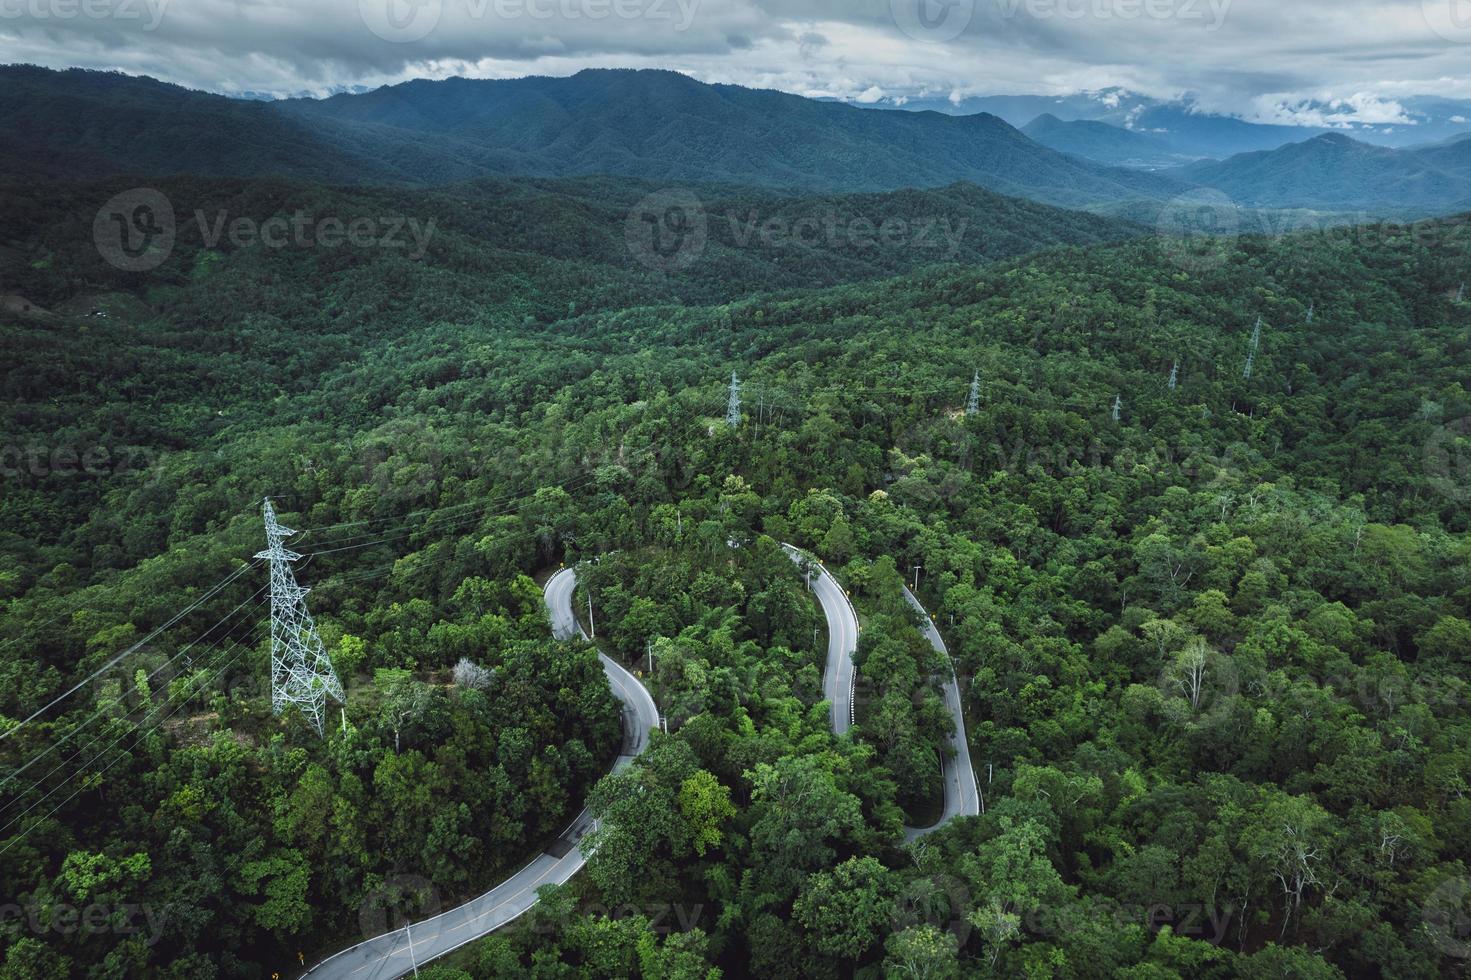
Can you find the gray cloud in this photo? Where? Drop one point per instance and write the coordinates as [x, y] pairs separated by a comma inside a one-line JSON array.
[[1245, 56]]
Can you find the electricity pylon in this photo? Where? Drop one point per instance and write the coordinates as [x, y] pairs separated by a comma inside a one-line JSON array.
[[1256, 339], [1174, 375], [1118, 406], [1461, 294], [733, 407], [973, 404], [1311, 307], [301, 671]]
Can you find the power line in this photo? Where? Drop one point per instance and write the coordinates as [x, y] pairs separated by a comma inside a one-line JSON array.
[[128, 652], [98, 712], [105, 769]]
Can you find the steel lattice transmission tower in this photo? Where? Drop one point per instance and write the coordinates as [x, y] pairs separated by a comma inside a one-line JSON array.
[[733, 407], [1174, 375], [301, 671], [973, 404], [1256, 340], [1312, 307], [1118, 407]]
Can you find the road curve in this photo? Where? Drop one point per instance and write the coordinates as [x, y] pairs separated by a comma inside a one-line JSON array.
[[962, 793], [842, 642], [392, 955], [962, 797]]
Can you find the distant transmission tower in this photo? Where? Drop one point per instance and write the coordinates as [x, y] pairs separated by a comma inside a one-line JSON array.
[[733, 407], [973, 404], [1461, 293], [1256, 340], [1311, 308], [1174, 375], [301, 671], [1118, 406]]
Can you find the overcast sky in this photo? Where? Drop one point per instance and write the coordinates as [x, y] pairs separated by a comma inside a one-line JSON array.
[[1266, 60]]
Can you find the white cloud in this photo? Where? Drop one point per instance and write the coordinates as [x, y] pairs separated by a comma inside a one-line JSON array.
[[1342, 62]]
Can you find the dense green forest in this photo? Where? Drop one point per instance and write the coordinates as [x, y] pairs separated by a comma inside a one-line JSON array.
[[78, 124], [1212, 651]]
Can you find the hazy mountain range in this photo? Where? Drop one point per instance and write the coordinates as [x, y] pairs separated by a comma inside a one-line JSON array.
[[1187, 128], [667, 127]]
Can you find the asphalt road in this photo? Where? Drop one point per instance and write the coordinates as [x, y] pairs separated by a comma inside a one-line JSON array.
[[842, 643], [962, 797], [962, 793], [393, 954]]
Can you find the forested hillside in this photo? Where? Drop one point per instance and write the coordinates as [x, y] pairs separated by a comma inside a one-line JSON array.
[[657, 125], [1212, 651]]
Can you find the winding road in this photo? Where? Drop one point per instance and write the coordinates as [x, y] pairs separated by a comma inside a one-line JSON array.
[[962, 795], [397, 953], [962, 792]]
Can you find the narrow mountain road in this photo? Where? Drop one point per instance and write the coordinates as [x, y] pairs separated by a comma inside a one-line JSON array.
[[962, 797], [842, 642], [962, 792], [397, 953]]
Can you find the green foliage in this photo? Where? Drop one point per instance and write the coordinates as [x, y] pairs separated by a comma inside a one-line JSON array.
[[1212, 656]]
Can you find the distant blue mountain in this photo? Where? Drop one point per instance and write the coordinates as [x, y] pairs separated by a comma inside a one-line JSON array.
[[1104, 143], [1335, 172], [1193, 133]]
